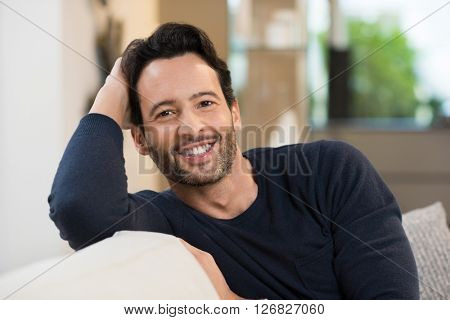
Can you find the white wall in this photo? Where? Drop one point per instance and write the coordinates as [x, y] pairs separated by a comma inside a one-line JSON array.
[[43, 90], [44, 87]]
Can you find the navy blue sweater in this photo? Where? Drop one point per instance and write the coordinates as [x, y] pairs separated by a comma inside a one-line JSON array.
[[323, 226]]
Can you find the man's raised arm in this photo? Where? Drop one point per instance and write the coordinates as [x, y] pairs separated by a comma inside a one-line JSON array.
[[89, 199]]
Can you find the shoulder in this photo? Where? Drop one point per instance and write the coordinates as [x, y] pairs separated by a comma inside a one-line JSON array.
[[338, 148], [310, 148], [323, 151], [156, 211], [150, 199], [341, 154], [290, 159], [146, 194], [323, 159], [340, 162]]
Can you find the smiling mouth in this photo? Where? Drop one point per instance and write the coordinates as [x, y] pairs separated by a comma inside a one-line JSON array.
[[198, 152]]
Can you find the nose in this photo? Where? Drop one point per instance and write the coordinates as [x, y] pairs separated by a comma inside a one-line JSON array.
[[191, 126]]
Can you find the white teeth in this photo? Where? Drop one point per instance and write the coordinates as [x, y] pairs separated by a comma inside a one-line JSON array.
[[197, 150]]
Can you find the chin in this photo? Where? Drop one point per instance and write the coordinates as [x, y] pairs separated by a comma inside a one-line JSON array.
[[198, 178]]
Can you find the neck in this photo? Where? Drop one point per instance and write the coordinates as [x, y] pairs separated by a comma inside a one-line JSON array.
[[225, 199]]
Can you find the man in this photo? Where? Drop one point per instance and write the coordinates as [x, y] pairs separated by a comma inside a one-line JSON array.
[[304, 221]]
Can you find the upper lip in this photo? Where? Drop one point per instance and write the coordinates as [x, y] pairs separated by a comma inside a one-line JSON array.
[[197, 144]]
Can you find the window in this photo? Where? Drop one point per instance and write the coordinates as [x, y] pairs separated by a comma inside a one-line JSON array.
[[396, 57]]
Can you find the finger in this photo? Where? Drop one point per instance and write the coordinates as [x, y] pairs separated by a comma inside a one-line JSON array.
[[118, 62]]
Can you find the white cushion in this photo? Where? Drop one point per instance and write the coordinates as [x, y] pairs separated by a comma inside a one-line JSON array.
[[130, 265]]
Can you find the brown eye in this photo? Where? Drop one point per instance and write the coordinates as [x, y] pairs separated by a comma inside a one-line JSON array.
[[206, 103], [164, 113]]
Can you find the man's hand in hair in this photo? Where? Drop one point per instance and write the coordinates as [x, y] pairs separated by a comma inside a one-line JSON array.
[[112, 98]]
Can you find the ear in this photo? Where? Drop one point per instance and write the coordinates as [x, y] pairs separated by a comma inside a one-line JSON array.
[[139, 140], [236, 115]]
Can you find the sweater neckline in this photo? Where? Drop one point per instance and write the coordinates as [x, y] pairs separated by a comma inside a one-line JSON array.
[[246, 214]]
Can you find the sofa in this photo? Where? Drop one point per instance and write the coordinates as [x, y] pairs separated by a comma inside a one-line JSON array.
[[144, 265]]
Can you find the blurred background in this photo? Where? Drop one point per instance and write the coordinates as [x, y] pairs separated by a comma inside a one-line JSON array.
[[388, 62]]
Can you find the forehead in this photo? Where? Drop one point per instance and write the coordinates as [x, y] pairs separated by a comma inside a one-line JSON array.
[[177, 77]]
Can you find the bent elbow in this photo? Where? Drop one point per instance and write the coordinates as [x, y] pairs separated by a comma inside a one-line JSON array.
[[71, 217]]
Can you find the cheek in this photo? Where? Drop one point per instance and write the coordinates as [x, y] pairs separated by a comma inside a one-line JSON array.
[[221, 121], [161, 138], [226, 127]]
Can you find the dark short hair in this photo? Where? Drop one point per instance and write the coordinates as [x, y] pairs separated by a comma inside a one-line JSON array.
[[168, 41]]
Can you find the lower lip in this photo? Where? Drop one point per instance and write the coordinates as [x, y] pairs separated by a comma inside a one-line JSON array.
[[199, 158]]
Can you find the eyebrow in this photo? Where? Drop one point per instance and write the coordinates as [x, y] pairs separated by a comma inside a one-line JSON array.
[[169, 102]]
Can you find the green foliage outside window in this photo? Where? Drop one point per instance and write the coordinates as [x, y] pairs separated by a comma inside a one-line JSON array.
[[382, 85]]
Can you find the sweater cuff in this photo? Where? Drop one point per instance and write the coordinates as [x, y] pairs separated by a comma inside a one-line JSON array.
[[96, 124]]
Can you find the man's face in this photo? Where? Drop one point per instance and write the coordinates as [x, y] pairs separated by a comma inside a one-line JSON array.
[[190, 130]]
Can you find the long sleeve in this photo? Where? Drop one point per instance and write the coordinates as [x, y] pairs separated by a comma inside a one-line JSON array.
[[89, 199], [373, 257]]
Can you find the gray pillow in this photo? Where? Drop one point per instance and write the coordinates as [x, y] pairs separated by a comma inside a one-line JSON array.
[[429, 236]]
